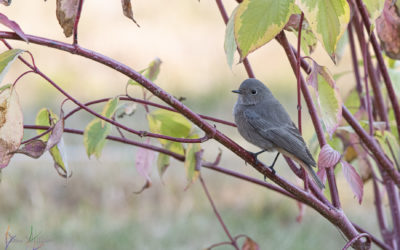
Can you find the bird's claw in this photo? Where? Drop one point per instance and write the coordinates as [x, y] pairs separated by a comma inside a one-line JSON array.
[[272, 170]]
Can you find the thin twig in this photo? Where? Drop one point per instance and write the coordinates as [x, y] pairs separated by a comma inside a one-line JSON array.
[[380, 213], [128, 98], [22, 75], [233, 242], [356, 71], [298, 73], [117, 124]]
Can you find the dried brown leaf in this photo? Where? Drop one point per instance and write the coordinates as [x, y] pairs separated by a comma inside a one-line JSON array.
[[249, 244], [33, 149], [388, 29], [66, 13], [127, 9], [11, 125]]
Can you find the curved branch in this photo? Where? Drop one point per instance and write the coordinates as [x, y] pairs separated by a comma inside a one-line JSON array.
[[365, 235], [128, 98]]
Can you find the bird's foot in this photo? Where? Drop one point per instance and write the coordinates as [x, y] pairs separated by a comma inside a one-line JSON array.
[[273, 172]]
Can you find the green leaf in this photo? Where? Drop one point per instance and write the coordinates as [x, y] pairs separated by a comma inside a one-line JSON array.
[[45, 117], [175, 147], [352, 101], [190, 162], [258, 21], [230, 43], [109, 109], [151, 72], [6, 59], [341, 46], [328, 20], [94, 136], [374, 8], [389, 144], [135, 83], [11, 125], [395, 77], [163, 162], [60, 158], [308, 41], [168, 123], [328, 97]]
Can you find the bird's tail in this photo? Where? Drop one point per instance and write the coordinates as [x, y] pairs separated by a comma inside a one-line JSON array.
[[309, 169]]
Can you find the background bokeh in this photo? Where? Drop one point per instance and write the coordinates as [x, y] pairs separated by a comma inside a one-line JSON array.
[[97, 207]]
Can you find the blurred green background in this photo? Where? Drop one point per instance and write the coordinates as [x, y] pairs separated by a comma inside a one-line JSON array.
[[97, 207]]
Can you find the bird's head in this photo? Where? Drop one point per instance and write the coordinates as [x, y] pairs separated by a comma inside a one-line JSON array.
[[252, 92]]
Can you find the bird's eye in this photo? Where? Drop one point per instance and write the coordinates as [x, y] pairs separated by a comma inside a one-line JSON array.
[[254, 91]]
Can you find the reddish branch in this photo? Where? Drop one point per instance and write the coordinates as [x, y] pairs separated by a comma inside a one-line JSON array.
[[381, 63], [144, 102], [179, 157], [314, 116], [356, 71]]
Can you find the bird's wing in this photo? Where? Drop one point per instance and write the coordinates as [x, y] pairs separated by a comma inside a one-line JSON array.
[[286, 136]]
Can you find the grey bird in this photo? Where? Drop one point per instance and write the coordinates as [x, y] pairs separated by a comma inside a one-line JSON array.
[[263, 121]]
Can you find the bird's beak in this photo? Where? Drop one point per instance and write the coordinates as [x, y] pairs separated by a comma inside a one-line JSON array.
[[236, 91]]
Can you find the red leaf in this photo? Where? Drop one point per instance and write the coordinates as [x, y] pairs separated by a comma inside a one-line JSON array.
[[353, 179], [144, 160], [13, 26], [249, 244], [328, 157]]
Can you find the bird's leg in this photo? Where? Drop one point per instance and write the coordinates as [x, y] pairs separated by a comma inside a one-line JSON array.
[[272, 166], [273, 163]]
